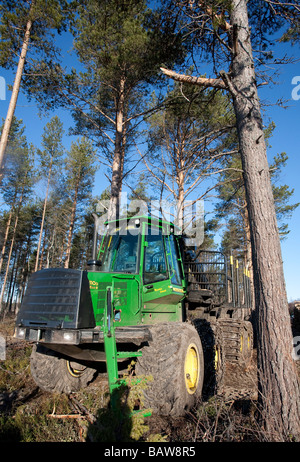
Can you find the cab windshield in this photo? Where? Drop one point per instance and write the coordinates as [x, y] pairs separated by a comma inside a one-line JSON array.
[[119, 253]]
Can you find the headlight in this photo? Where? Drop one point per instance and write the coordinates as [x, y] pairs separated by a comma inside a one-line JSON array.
[[20, 332], [58, 336]]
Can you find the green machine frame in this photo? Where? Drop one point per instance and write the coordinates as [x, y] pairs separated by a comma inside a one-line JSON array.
[[157, 300]]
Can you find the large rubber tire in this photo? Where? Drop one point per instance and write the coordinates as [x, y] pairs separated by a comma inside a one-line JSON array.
[[214, 357], [174, 359], [238, 340], [56, 374]]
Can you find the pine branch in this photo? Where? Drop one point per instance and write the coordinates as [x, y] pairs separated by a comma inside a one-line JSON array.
[[199, 81]]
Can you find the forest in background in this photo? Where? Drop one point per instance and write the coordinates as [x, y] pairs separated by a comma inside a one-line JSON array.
[[198, 137], [160, 140]]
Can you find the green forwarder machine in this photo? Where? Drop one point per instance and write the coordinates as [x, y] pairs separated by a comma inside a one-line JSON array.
[[180, 314]]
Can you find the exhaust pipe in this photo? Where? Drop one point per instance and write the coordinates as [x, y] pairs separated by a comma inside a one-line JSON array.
[[94, 264]]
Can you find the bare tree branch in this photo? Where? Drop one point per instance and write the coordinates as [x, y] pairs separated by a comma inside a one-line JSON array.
[[200, 81]]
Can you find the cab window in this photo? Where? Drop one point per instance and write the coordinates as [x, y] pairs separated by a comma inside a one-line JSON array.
[[172, 252], [120, 253], [155, 267]]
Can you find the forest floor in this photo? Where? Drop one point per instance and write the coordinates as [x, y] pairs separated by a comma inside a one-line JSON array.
[[28, 414]]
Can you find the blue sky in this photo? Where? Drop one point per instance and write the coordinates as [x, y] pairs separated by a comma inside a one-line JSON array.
[[285, 139]]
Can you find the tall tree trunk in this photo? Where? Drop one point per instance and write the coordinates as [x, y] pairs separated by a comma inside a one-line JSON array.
[[118, 160], [71, 227], [278, 383], [13, 277], [279, 392], [5, 237], [11, 246], [49, 249], [15, 94], [43, 251], [43, 219], [248, 250], [25, 268], [180, 191]]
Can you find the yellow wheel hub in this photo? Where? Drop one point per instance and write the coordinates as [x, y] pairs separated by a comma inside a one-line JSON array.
[[191, 369], [242, 344], [76, 370], [217, 358]]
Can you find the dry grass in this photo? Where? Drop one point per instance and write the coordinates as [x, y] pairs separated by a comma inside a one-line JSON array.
[[29, 415]]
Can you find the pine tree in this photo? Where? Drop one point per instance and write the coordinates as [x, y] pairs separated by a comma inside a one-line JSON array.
[[17, 145], [23, 252], [232, 206], [50, 160], [23, 25], [82, 244], [56, 226], [282, 194], [24, 176], [120, 46], [187, 140], [80, 173], [233, 30]]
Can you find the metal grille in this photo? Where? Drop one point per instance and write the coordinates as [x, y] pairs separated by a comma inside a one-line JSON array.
[[229, 282], [208, 272], [56, 297]]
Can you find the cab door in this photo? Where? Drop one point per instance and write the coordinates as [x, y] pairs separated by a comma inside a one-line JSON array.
[[161, 300]]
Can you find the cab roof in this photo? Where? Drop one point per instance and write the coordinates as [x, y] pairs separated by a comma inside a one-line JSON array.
[[139, 219]]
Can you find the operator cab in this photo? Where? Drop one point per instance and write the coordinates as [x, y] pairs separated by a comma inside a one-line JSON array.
[[144, 246], [140, 259]]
